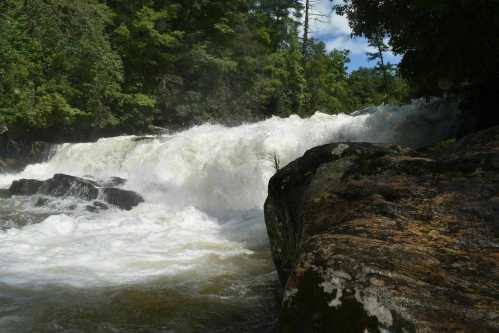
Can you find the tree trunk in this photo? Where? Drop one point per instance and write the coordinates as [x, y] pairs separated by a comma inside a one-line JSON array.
[[306, 29], [383, 68]]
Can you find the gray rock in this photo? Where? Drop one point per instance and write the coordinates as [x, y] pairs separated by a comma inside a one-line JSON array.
[[123, 199], [4, 193], [41, 202], [113, 182], [69, 186], [96, 207], [100, 205], [64, 185], [25, 187]]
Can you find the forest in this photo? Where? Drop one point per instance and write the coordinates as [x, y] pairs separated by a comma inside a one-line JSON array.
[[77, 70]]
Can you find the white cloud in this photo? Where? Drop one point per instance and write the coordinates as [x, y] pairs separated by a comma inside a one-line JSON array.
[[355, 45], [331, 23], [335, 32]]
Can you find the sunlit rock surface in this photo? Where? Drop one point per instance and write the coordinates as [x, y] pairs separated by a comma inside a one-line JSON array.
[[379, 238]]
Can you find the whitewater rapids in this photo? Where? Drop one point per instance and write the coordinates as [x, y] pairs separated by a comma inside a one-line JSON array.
[[204, 190]]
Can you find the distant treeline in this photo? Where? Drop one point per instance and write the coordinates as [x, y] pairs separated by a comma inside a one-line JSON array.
[[77, 69]]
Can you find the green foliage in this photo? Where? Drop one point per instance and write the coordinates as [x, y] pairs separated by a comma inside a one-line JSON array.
[[446, 45], [326, 78], [71, 68], [367, 88], [57, 65]]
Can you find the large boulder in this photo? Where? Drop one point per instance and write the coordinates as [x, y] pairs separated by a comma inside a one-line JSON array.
[[25, 187], [379, 238], [70, 186], [64, 185]]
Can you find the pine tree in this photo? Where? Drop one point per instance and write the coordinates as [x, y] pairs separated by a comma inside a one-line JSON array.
[[377, 42]]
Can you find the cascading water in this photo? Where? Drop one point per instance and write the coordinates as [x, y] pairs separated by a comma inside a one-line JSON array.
[[193, 257]]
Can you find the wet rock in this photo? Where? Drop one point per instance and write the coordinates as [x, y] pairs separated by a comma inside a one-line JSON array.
[[113, 182], [64, 185], [123, 199], [143, 139], [25, 187], [100, 205], [41, 202], [4, 193], [378, 237], [96, 207], [92, 209], [69, 186], [14, 156]]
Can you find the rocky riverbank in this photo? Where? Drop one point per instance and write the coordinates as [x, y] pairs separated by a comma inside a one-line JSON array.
[[380, 238], [14, 157]]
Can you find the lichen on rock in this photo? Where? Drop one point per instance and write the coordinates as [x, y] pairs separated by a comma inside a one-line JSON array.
[[381, 238]]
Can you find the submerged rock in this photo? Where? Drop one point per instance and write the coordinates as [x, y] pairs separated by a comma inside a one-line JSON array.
[[378, 237], [114, 181], [25, 187], [42, 201], [96, 207], [4, 193], [64, 185], [70, 186], [121, 198], [100, 205]]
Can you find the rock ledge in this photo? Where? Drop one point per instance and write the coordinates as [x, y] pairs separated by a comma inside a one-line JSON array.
[[380, 238]]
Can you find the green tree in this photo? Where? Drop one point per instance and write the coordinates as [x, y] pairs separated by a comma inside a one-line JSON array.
[[326, 77], [58, 66], [367, 88], [447, 46], [73, 70], [377, 42]]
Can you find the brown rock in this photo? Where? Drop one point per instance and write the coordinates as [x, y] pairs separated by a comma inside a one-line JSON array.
[[378, 237]]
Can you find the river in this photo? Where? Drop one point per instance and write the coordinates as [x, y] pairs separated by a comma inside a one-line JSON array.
[[194, 256]]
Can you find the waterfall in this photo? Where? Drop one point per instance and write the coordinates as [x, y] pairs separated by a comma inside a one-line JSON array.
[[204, 189]]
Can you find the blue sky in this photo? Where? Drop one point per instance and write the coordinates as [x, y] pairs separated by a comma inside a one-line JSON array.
[[335, 32]]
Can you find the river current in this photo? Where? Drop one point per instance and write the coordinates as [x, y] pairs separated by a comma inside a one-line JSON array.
[[194, 256]]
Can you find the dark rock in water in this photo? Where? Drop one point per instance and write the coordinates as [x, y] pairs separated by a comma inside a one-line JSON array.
[[92, 209], [378, 237], [100, 205], [41, 202], [156, 130], [114, 181], [96, 207], [121, 198], [4, 193], [25, 187], [143, 139], [63, 185], [14, 157], [69, 186]]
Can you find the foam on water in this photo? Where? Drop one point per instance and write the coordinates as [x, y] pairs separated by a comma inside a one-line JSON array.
[[204, 189]]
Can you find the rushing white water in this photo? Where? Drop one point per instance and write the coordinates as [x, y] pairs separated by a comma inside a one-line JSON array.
[[203, 189]]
